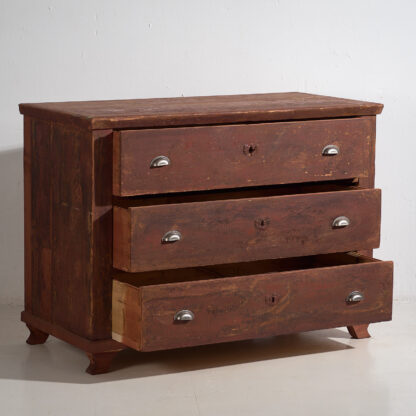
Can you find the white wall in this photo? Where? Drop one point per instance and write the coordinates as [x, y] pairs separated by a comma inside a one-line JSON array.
[[102, 49]]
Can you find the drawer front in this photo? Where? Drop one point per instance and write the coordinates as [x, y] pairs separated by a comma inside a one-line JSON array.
[[236, 308], [215, 157], [241, 230]]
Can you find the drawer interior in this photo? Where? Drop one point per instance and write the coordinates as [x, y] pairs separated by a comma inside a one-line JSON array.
[[241, 193], [240, 269]]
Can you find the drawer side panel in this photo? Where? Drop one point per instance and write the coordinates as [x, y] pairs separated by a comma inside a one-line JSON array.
[[126, 315]]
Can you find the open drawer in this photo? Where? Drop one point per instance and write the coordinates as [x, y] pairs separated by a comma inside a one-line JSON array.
[[187, 307], [154, 161], [190, 230]]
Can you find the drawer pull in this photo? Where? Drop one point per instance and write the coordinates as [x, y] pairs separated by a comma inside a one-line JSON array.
[[341, 222], [355, 296], [330, 150], [184, 315], [160, 161], [171, 237]]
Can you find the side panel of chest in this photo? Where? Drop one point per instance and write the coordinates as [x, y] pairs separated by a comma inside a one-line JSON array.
[[68, 227]]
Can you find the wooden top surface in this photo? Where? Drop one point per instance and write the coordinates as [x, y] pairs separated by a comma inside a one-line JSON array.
[[184, 111]]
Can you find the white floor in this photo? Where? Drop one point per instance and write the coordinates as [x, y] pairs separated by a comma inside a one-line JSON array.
[[315, 373]]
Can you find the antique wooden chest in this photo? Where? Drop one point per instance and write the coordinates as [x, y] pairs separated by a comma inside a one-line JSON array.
[[167, 223]]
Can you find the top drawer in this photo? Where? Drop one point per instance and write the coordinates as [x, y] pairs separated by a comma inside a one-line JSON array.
[[229, 156]]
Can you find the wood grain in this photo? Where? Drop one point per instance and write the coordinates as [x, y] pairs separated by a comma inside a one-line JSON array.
[[228, 231], [182, 111], [101, 235], [70, 166], [38, 229], [236, 308], [126, 319], [68, 227], [214, 157]]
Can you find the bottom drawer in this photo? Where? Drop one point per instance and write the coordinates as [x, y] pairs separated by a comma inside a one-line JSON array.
[[187, 307]]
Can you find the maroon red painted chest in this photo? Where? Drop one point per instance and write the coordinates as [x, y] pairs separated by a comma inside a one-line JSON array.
[[167, 223]]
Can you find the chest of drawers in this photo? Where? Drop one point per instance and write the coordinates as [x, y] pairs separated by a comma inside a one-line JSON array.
[[167, 223]]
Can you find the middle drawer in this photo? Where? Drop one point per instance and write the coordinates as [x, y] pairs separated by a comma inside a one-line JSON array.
[[157, 233]]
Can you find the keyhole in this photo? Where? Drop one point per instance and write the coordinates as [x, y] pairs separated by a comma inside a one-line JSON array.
[[249, 149], [271, 299], [262, 223]]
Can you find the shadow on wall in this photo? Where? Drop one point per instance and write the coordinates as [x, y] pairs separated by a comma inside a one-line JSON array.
[[11, 226]]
